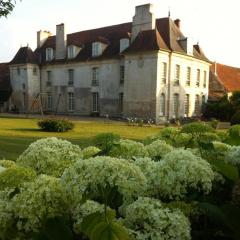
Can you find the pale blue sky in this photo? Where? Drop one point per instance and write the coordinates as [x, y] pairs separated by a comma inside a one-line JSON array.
[[214, 23]]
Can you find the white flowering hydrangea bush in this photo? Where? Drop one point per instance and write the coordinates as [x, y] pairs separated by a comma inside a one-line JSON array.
[[15, 176], [7, 163], [86, 177], [147, 219], [90, 152], [83, 210], [158, 149], [50, 156], [180, 171], [128, 149], [37, 201], [233, 156]]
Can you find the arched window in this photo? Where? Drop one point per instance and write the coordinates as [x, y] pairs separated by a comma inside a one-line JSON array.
[[186, 105], [197, 105]]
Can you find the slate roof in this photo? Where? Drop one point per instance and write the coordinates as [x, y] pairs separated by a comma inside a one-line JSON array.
[[5, 84], [165, 37], [24, 55]]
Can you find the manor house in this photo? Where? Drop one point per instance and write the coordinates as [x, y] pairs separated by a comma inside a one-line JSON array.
[[145, 68]]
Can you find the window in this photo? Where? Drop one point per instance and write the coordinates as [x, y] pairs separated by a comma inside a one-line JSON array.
[[197, 105], [188, 82], [18, 71], [23, 86], [121, 102], [163, 73], [203, 99], [186, 105], [205, 79], [177, 75], [124, 44], [175, 105], [70, 77], [49, 54], [95, 76], [122, 72], [49, 78], [34, 71], [162, 104], [71, 102], [95, 105], [198, 78], [96, 49], [49, 102], [71, 52]]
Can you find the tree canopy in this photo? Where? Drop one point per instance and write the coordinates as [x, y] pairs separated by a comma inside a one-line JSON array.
[[6, 7]]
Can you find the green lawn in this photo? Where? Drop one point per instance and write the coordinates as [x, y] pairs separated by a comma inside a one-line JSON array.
[[16, 134]]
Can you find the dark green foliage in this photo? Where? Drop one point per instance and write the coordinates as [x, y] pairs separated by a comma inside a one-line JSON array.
[[105, 141], [197, 128], [55, 125], [235, 118], [234, 132], [103, 226], [6, 7]]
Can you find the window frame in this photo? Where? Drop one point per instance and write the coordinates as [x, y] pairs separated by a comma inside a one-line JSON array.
[[95, 102], [177, 74], [71, 102]]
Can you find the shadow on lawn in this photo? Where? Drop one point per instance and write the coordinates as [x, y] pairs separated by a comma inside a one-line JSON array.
[[25, 129]]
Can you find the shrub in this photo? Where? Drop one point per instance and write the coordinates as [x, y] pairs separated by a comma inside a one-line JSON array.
[[214, 123], [197, 128], [233, 156], [180, 171], [128, 149], [209, 137], [147, 218], [90, 152], [235, 118], [7, 163], [15, 176], [55, 125], [50, 156], [105, 141], [234, 131], [158, 149], [37, 201], [92, 176]]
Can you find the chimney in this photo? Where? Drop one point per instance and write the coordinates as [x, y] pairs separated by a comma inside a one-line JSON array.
[[178, 23], [42, 36], [61, 42], [144, 19]]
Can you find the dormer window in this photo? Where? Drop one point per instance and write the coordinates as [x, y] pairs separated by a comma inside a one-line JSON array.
[[96, 49], [71, 52], [124, 44], [49, 54]]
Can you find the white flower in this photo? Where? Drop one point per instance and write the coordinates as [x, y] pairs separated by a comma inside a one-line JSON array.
[[50, 156], [147, 219], [233, 156]]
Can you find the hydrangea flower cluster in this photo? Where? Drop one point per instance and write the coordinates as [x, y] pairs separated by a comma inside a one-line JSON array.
[[180, 170], [83, 210], [7, 163], [85, 177], [158, 149], [147, 219], [128, 149], [38, 200], [50, 156], [15, 176], [233, 156], [90, 152]]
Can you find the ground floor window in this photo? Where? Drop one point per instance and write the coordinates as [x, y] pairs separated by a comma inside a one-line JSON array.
[[186, 105], [49, 102], [175, 105], [162, 104], [71, 102], [121, 102], [95, 106], [197, 105]]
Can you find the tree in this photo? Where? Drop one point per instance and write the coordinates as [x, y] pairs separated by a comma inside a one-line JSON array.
[[6, 7]]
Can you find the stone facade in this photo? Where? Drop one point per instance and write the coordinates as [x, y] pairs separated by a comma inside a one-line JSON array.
[[145, 69]]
